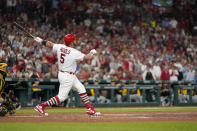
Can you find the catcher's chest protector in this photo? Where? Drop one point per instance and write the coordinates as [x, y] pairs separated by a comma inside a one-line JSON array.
[[3, 74], [2, 84]]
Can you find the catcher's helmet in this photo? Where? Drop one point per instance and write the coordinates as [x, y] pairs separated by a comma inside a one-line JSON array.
[[69, 38], [2, 70]]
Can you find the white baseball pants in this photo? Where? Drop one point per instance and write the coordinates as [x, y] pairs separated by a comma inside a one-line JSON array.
[[67, 81]]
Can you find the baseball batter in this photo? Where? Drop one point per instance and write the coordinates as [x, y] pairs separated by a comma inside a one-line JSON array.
[[67, 63]]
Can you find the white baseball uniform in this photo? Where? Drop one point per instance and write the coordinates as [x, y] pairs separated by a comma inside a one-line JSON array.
[[67, 63]]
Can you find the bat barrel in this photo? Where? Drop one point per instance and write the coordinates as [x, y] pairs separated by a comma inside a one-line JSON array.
[[23, 29]]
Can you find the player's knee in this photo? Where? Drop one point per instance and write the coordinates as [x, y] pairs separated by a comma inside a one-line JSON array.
[[81, 90], [62, 98]]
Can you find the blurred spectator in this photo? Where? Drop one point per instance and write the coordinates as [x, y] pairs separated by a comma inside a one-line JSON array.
[[196, 77], [2, 53], [166, 94], [45, 67], [149, 74], [103, 95], [165, 73], [126, 44], [173, 73], [113, 65], [135, 95], [157, 70], [90, 92], [189, 75], [117, 91], [194, 97], [36, 91], [183, 94]]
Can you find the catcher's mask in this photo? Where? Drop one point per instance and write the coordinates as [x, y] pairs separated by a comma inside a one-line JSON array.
[[69, 39], [2, 70]]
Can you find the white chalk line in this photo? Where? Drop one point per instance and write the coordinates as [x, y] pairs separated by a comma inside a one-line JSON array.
[[27, 116], [141, 114], [124, 115], [144, 116]]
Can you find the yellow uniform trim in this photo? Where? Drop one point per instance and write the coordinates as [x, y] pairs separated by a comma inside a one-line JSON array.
[[35, 88], [124, 91], [2, 65], [1, 85], [92, 92], [138, 92], [182, 91]]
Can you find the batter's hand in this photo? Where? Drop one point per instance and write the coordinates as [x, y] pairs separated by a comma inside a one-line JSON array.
[[93, 51], [38, 39]]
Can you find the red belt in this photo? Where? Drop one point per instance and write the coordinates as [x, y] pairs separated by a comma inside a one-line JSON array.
[[72, 73]]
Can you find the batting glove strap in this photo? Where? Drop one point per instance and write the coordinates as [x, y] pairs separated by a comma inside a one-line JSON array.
[[44, 42]]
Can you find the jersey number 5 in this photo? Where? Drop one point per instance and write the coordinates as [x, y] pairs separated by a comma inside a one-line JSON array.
[[62, 57]]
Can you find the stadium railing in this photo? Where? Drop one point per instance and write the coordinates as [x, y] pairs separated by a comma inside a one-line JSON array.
[[150, 92]]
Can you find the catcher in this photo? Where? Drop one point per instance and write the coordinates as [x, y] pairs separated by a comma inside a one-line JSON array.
[[8, 102]]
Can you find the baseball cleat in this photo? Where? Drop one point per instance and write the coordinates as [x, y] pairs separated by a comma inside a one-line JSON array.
[[92, 112], [97, 114], [40, 109]]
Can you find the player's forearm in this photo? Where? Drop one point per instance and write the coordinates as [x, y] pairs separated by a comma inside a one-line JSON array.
[[88, 56], [44, 42], [49, 44]]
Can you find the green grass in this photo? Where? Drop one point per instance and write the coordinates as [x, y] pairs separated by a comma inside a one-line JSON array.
[[105, 126], [133, 126], [123, 109]]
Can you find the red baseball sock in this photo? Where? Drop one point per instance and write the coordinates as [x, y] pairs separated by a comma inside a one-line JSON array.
[[85, 99], [53, 101]]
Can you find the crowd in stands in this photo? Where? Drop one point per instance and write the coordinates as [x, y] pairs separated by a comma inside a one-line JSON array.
[[135, 39]]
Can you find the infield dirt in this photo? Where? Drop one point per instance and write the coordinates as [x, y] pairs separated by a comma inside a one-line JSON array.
[[106, 117]]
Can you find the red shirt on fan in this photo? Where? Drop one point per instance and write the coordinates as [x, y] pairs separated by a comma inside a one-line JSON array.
[[165, 75]]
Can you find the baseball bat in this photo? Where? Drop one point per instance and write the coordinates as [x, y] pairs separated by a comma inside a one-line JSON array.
[[23, 30]]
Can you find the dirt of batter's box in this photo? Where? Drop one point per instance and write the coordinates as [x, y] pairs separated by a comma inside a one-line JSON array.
[[105, 117]]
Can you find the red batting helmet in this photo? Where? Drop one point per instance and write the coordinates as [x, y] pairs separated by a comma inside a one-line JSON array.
[[69, 38]]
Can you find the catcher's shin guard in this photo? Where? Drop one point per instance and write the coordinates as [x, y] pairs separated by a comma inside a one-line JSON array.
[[3, 111]]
